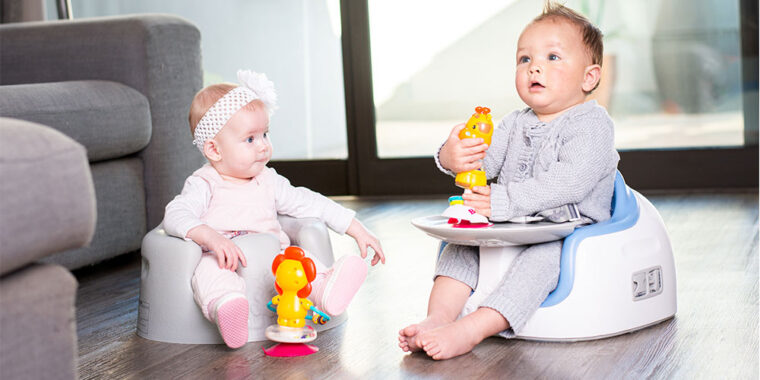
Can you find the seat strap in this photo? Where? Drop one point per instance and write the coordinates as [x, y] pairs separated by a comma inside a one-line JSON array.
[[561, 214]]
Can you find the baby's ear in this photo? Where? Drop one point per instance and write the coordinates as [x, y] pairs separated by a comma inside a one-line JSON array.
[[211, 150], [591, 77]]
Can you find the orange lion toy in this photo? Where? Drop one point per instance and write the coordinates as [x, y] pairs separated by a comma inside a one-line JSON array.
[[293, 273]]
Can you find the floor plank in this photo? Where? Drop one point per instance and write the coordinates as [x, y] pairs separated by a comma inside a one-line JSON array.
[[714, 333]]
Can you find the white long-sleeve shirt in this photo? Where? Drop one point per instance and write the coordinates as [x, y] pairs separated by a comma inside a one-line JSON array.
[[229, 207]]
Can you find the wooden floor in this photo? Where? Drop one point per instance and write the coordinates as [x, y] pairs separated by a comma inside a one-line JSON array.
[[714, 333]]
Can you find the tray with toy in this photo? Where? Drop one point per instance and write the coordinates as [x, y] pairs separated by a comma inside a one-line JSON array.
[[462, 225], [495, 235]]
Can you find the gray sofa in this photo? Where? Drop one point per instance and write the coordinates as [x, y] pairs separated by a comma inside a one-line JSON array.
[[121, 87], [47, 205]]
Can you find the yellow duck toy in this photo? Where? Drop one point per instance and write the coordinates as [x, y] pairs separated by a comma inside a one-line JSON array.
[[293, 273], [479, 125]]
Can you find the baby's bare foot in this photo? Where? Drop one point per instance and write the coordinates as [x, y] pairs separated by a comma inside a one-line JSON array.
[[408, 337], [448, 341]]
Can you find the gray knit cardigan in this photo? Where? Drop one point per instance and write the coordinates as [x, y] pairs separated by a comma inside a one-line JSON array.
[[541, 166]]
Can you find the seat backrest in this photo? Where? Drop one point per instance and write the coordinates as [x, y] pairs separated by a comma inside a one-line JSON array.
[[625, 213], [624, 205]]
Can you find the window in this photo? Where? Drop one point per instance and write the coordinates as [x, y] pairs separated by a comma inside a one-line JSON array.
[[296, 43], [671, 72], [369, 88], [670, 138]]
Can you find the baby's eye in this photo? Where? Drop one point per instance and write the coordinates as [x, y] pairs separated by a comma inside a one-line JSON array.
[[523, 59], [553, 57], [266, 135], [249, 139]]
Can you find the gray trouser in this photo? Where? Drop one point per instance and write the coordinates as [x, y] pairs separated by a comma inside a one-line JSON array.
[[531, 277]]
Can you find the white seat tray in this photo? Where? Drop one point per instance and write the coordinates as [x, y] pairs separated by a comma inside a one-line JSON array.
[[498, 235]]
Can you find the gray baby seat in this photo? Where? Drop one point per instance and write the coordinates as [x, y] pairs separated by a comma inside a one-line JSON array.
[[167, 311]]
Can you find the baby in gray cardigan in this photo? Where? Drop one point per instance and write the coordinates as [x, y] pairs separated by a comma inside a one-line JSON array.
[[559, 151]]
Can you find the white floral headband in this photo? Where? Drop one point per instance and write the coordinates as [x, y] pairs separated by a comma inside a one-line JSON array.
[[252, 86]]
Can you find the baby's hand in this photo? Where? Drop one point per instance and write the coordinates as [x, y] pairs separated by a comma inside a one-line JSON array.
[[462, 155], [479, 199], [365, 239], [227, 253]]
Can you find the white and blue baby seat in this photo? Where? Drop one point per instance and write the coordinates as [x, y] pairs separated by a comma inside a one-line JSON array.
[[616, 276]]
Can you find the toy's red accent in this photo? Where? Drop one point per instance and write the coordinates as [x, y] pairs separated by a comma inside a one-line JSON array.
[[482, 110], [468, 224]]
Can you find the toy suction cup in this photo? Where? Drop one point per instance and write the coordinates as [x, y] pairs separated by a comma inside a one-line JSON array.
[[284, 334], [289, 350], [292, 341], [461, 216]]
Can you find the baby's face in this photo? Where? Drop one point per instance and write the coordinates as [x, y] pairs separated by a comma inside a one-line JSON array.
[[244, 145], [552, 62]]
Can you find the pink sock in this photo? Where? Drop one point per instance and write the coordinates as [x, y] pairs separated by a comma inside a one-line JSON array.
[[334, 293], [232, 319]]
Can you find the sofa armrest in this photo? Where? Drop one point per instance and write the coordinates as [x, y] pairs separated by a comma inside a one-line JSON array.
[[47, 200], [38, 332], [158, 55]]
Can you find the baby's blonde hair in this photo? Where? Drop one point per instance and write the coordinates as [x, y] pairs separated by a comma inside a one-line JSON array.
[[206, 97]]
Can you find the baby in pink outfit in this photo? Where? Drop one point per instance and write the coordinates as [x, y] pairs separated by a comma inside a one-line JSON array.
[[235, 193]]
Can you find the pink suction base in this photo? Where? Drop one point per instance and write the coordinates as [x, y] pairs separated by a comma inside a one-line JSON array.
[[290, 350]]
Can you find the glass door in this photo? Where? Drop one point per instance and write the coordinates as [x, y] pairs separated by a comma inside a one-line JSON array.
[[668, 81], [298, 45], [370, 88], [672, 81]]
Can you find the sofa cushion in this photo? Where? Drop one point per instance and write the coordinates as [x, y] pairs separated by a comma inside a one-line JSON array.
[[110, 119], [120, 198], [47, 200], [38, 334]]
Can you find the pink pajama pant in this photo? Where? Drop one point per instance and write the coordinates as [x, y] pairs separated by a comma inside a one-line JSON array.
[[210, 282]]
